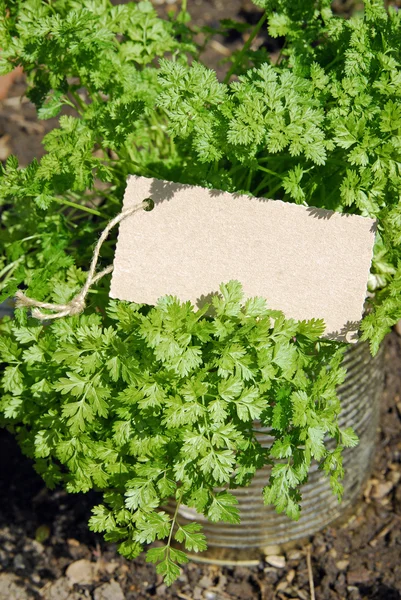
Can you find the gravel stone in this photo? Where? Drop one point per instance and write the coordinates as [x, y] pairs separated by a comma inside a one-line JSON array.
[[109, 591], [81, 572], [18, 562], [360, 575], [60, 590], [276, 561], [9, 588]]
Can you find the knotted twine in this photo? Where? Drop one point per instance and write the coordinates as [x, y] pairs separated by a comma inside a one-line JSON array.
[[77, 304]]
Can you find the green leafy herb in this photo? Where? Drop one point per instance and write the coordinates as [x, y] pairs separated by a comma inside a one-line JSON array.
[[151, 403], [119, 403]]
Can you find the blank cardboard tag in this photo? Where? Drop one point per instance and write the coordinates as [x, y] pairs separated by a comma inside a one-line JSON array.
[[306, 262]]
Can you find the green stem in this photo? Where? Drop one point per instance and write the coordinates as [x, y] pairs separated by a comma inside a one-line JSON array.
[[78, 100], [264, 184], [235, 169], [69, 103], [173, 522], [91, 197], [11, 266], [260, 187], [249, 180], [274, 190], [270, 172], [246, 47], [333, 62], [49, 4], [30, 237], [79, 206]]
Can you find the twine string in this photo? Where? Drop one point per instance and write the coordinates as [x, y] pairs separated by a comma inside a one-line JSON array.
[[77, 304]]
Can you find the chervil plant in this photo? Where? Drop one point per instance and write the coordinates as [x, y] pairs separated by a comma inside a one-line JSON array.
[[147, 403]]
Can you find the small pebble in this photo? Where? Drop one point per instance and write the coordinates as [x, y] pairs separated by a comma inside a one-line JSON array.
[[394, 477], [109, 591], [161, 590], [342, 565], [294, 555], [19, 562], [8, 546], [382, 489], [10, 588], [205, 582], [282, 586], [38, 547], [290, 576], [276, 561], [81, 572], [111, 566], [360, 575], [197, 594]]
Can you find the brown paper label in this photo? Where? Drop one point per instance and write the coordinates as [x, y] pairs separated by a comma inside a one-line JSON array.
[[306, 262]]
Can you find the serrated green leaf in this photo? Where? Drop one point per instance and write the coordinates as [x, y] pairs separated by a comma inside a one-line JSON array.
[[130, 549], [224, 508], [349, 438], [190, 536]]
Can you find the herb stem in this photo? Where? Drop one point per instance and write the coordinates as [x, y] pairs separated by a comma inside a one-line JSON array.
[[174, 520], [271, 191], [11, 266], [269, 171], [92, 211], [274, 190], [265, 184], [78, 100], [245, 47], [249, 180], [30, 237]]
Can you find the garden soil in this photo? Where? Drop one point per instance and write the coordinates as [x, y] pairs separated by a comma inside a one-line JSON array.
[[46, 549]]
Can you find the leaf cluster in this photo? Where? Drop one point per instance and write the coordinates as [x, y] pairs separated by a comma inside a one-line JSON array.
[[92, 65], [147, 403], [320, 128]]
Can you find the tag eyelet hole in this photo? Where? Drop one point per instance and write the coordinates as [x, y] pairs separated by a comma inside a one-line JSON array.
[[150, 204]]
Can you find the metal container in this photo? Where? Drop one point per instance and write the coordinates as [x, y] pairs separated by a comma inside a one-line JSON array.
[[260, 525]]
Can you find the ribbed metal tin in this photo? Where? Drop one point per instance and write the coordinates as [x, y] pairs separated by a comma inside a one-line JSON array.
[[260, 525]]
